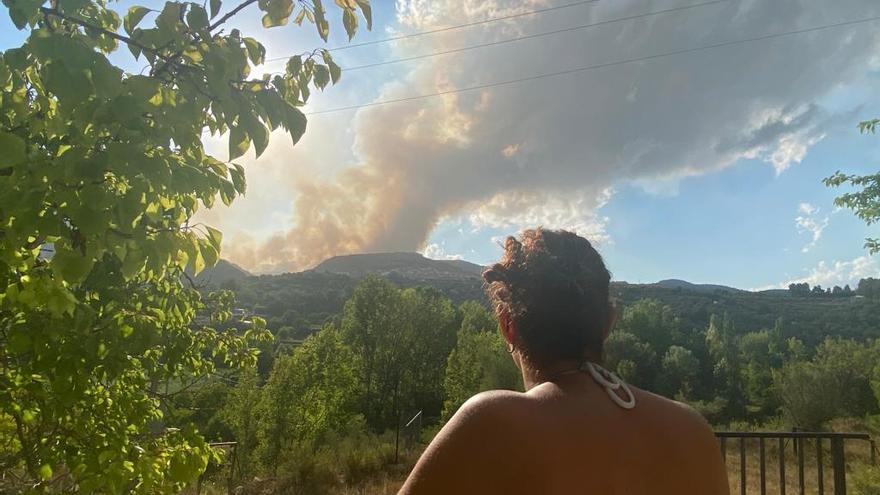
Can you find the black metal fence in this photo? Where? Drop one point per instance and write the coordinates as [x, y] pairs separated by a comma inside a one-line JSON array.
[[794, 446]]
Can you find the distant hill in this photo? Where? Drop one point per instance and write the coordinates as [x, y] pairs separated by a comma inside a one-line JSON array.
[[674, 283], [412, 266], [223, 271], [304, 301]]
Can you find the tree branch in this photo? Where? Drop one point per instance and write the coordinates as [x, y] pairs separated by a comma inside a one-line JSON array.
[[116, 36], [230, 14]]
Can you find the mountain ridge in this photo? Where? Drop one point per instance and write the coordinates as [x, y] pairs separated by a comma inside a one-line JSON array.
[[415, 266], [401, 264]]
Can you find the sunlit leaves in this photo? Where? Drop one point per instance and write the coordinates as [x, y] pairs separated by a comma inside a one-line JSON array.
[[101, 172], [277, 12], [865, 199]]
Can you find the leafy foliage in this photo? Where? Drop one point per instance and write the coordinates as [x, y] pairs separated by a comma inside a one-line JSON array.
[[865, 200], [100, 174], [397, 348], [308, 394], [402, 339], [479, 361]]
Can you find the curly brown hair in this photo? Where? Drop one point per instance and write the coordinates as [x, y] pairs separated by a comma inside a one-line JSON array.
[[555, 288]]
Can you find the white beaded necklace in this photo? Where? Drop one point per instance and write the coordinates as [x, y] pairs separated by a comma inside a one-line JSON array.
[[607, 380]]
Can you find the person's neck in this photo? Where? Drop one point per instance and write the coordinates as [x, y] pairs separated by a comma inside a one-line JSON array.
[[536, 375]]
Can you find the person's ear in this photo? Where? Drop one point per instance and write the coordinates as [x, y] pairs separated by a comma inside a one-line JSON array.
[[505, 323], [613, 313]]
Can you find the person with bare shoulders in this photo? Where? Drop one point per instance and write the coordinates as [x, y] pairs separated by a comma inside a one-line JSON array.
[[578, 428]]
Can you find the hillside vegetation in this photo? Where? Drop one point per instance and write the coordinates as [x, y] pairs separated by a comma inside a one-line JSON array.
[[298, 303], [363, 371]]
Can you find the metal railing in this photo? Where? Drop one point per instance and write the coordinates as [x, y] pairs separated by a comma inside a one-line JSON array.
[[799, 442]]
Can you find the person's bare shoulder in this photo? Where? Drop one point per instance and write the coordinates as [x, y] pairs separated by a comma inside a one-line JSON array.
[[696, 437], [468, 452]]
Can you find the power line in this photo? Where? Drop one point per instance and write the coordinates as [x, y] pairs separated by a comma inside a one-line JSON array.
[[537, 35], [602, 65], [451, 28]]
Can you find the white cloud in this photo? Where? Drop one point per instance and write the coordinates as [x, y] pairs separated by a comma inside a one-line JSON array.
[[521, 210], [792, 149], [836, 273], [810, 222], [437, 252], [807, 208]]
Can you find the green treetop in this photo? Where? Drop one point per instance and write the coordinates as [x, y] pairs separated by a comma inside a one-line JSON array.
[[101, 172]]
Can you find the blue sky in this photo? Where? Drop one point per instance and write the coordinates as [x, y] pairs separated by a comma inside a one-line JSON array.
[[705, 167]]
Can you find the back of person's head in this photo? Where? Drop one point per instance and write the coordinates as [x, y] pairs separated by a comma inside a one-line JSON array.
[[554, 288]]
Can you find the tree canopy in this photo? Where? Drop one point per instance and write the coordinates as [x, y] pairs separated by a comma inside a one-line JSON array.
[[101, 172]]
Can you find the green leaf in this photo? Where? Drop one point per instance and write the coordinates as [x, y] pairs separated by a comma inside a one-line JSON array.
[[23, 12], [256, 51], [45, 471], [294, 65], [195, 261], [197, 18], [350, 21], [215, 237], [320, 21], [12, 149], [258, 134], [135, 14], [335, 72], [277, 12], [368, 12], [71, 266], [133, 263], [295, 123], [215, 8], [322, 76], [299, 17], [209, 253], [238, 142], [238, 178]]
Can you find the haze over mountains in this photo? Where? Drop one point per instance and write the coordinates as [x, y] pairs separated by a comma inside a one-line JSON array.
[[410, 266], [406, 265]]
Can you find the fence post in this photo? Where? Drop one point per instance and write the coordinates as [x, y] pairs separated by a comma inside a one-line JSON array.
[[742, 465], [799, 445], [763, 467], [781, 466], [820, 469], [838, 459]]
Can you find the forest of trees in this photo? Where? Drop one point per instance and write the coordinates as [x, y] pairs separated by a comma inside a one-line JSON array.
[[326, 410], [297, 304], [867, 287]]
